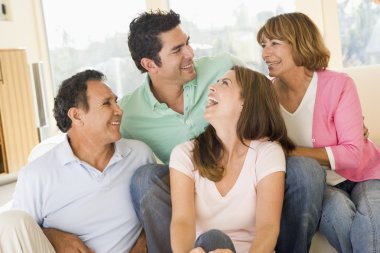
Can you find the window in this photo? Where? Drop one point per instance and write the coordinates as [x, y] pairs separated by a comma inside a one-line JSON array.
[[360, 32], [231, 26], [85, 34]]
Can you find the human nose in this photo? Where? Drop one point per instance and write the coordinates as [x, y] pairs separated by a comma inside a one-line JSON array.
[[189, 52], [118, 110], [266, 52], [212, 87]]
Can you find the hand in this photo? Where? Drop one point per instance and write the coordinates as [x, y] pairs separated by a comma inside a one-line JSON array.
[[365, 131], [64, 242], [140, 244]]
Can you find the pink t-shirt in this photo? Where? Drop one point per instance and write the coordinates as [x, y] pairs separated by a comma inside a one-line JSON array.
[[234, 213]]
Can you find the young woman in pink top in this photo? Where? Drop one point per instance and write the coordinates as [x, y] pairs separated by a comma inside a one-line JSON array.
[[322, 112], [227, 184]]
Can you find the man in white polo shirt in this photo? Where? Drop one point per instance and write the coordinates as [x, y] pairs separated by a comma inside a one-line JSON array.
[[75, 197]]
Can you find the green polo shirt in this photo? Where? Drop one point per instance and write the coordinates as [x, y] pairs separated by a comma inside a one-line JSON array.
[[160, 127]]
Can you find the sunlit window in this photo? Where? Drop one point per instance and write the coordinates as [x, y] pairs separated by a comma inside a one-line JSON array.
[[92, 34], [360, 31], [215, 26]]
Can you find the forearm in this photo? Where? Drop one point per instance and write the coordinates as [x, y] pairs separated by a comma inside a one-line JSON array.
[[265, 239], [319, 154], [65, 242], [182, 237]]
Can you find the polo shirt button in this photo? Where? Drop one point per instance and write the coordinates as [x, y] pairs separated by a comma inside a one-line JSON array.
[[313, 140]]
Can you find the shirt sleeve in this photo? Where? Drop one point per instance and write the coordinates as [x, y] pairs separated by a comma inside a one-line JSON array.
[[181, 159], [270, 159], [349, 128], [27, 197]]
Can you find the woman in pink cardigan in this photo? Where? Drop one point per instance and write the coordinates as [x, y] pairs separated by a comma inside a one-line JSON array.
[[323, 116]]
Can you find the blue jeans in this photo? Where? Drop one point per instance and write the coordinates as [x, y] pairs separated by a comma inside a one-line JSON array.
[[150, 191], [214, 239], [304, 186], [305, 183], [351, 216]]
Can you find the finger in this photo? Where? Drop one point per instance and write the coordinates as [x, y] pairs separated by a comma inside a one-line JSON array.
[[84, 249]]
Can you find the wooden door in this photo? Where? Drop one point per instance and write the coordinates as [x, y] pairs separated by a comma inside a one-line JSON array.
[[16, 108]]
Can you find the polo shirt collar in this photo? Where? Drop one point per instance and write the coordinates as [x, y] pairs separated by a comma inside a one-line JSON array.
[[152, 100], [67, 155]]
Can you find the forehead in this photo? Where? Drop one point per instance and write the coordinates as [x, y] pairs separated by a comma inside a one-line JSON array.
[[173, 37], [230, 74], [97, 89]]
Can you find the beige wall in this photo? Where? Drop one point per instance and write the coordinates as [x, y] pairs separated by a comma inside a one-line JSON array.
[[367, 80]]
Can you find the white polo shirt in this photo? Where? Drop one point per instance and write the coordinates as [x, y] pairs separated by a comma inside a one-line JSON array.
[[60, 191]]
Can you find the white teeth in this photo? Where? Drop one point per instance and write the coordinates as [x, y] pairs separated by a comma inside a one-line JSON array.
[[115, 123], [187, 66], [271, 63], [212, 101]]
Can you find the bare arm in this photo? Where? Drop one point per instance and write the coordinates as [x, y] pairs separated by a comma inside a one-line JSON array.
[[270, 196], [318, 154], [140, 244], [64, 242], [182, 228]]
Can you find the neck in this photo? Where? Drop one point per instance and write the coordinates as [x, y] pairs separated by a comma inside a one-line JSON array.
[[230, 140], [94, 154], [296, 81], [170, 94]]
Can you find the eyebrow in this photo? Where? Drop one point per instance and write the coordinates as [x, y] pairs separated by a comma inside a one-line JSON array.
[[112, 97], [175, 48], [226, 79]]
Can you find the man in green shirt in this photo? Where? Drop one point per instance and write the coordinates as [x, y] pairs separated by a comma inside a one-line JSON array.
[[168, 110]]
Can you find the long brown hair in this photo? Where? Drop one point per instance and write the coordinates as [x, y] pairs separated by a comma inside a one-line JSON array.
[[308, 47], [259, 118]]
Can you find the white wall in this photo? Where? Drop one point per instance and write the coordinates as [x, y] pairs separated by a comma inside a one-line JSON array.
[[24, 29]]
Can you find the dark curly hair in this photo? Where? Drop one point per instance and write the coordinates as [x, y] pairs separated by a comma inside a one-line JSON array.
[[144, 31], [72, 93]]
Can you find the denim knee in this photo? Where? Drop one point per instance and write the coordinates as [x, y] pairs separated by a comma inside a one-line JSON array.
[[306, 175], [365, 230], [143, 181], [338, 212], [145, 177]]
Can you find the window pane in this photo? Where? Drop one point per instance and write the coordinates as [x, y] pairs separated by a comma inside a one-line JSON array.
[[231, 26], [360, 31], [92, 34]]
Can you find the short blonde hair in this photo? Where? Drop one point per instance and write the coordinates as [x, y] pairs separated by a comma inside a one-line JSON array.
[[308, 48]]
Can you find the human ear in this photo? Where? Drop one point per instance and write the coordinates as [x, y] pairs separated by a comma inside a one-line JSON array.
[[149, 65], [75, 115]]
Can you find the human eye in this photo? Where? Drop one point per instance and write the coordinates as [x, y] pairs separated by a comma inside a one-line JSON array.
[[106, 103], [277, 42]]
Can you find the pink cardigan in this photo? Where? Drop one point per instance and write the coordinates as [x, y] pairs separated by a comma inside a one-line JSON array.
[[338, 124]]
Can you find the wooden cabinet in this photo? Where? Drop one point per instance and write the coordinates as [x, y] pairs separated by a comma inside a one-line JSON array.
[[18, 133]]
